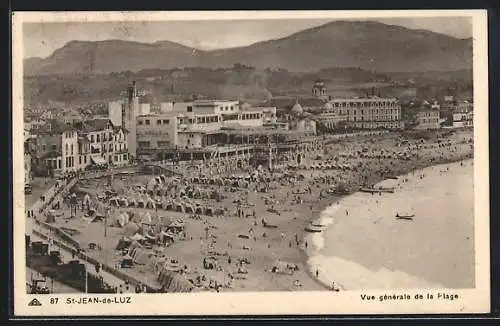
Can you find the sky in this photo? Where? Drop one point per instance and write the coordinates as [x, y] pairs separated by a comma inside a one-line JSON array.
[[42, 39]]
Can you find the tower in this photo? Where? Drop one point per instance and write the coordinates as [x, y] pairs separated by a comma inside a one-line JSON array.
[[319, 90], [129, 113]]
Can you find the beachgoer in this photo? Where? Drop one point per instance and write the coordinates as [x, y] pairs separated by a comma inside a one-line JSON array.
[[317, 273]]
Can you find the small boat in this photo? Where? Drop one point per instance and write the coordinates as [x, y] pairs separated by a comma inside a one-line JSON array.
[[313, 228], [405, 217], [375, 190]]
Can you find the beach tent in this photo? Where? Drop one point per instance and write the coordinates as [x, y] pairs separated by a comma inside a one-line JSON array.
[[179, 207], [199, 210], [130, 229], [168, 205], [140, 256], [122, 219], [146, 218], [136, 237], [86, 200], [141, 203], [209, 211], [156, 264], [172, 282], [114, 201], [151, 184], [124, 202], [150, 203], [123, 243], [189, 208]]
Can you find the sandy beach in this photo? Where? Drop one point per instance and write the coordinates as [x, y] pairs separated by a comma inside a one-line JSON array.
[[366, 247], [299, 196]]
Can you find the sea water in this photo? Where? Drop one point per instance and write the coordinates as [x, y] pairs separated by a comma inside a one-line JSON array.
[[366, 247]]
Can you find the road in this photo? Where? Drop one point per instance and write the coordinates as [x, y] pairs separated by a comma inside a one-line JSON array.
[[55, 286], [66, 256]]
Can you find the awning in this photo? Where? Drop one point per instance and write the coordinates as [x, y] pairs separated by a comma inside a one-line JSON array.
[[96, 159]]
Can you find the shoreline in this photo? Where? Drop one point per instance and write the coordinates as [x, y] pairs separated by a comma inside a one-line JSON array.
[[308, 253], [293, 209]]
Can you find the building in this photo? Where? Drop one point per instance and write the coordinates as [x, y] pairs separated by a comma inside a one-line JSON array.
[[27, 168], [463, 119], [129, 116], [144, 108], [319, 90], [269, 114], [101, 142], [115, 112], [156, 131], [65, 147], [361, 113], [427, 118]]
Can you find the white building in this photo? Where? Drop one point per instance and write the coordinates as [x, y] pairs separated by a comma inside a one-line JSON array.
[[362, 113], [428, 119]]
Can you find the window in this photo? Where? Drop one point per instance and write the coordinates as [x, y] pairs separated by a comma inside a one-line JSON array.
[[59, 163], [52, 147], [147, 122], [158, 122], [124, 157], [71, 149], [85, 159], [189, 109], [143, 144], [66, 148], [43, 147], [98, 138], [140, 122], [166, 122], [80, 160], [92, 138], [116, 158]]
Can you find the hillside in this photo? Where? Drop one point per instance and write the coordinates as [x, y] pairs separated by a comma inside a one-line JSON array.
[[242, 82], [367, 45]]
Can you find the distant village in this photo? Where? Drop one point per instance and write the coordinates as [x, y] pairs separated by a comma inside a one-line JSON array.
[[118, 133]]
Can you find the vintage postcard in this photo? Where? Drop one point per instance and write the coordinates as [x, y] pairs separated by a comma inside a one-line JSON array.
[[263, 163]]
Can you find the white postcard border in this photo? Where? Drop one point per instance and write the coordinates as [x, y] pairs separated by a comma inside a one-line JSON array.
[[263, 303]]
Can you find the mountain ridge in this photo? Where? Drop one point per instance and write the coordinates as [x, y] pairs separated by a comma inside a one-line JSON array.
[[365, 44]]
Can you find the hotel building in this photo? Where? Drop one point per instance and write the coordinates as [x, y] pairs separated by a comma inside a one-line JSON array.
[[361, 113]]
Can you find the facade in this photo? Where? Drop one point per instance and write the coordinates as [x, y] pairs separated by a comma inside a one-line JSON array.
[[193, 126], [27, 168], [69, 147], [428, 119], [362, 113], [115, 112], [144, 108], [130, 111], [463, 119], [156, 131], [269, 115], [101, 142]]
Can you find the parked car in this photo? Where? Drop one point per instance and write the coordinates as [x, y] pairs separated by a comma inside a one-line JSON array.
[[27, 189]]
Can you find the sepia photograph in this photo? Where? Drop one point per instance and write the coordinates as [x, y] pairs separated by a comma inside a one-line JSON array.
[[242, 155]]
